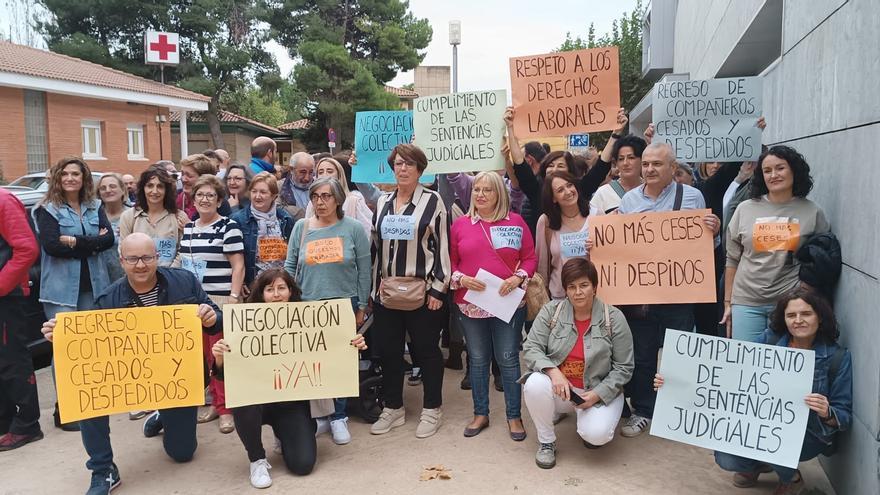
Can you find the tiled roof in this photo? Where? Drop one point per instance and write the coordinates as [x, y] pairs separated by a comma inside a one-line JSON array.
[[20, 59], [295, 125], [401, 92], [226, 117]]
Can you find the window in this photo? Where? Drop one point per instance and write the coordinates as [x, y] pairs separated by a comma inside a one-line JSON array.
[[91, 133], [135, 142], [35, 131]]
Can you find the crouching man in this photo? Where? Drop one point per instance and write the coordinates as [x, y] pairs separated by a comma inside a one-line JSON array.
[[145, 284]]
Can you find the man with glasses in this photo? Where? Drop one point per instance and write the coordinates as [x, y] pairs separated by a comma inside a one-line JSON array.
[[145, 284], [294, 195]]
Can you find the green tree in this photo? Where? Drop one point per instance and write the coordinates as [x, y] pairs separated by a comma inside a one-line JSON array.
[[221, 41], [348, 50], [626, 34]]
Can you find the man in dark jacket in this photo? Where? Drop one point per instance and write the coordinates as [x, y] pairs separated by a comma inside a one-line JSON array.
[[146, 284], [19, 408]]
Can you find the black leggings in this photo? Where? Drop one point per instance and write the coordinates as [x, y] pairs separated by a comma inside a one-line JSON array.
[[292, 423]]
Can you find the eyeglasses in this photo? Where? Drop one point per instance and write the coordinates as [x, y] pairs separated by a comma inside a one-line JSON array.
[[133, 260], [484, 190], [234, 179], [324, 197], [403, 163], [208, 196]]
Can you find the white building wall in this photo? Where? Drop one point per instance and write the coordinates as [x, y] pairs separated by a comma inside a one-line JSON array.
[[821, 98]]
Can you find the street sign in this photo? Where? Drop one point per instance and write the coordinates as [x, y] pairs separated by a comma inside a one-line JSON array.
[[161, 48], [578, 143]]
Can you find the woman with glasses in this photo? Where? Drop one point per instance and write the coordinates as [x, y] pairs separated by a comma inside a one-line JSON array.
[[212, 249], [354, 205], [73, 230], [238, 182], [329, 258], [191, 169], [411, 277]]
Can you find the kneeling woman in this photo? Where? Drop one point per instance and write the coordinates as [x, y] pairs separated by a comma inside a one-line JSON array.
[[580, 354], [291, 421], [803, 319]]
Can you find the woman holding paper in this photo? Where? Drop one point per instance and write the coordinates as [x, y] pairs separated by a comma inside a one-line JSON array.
[[212, 250], [265, 228], [562, 230], [291, 421], [580, 355], [329, 257], [489, 244], [762, 237], [354, 205], [803, 319]]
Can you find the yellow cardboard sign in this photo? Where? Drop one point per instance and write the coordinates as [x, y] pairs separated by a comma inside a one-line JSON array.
[[119, 360], [289, 351]]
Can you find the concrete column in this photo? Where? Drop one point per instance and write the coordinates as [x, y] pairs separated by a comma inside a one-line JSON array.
[[184, 137]]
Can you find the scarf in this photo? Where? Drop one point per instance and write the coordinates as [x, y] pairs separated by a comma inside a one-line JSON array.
[[267, 223]]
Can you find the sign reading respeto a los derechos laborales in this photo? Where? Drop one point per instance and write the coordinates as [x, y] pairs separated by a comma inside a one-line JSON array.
[[713, 120], [289, 351], [733, 396], [556, 94], [120, 360]]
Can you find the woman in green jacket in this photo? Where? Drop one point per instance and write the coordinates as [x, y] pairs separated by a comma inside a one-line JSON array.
[[580, 354]]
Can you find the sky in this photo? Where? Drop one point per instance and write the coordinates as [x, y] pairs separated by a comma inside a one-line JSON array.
[[492, 31]]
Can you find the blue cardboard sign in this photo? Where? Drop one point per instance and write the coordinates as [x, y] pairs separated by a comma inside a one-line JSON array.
[[398, 227], [375, 135]]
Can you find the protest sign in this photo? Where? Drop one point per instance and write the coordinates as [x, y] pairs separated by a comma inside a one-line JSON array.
[[733, 396], [654, 258], [712, 120], [375, 135], [119, 360], [289, 351], [490, 298], [461, 132], [271, 249], [565, 92]]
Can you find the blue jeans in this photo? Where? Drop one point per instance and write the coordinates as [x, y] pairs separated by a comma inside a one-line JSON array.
[[647, 336], [179, 438], [729, 462], [749, 322], [485, 337]]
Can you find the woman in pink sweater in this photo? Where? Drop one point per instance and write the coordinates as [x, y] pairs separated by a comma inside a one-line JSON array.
[[493, 238]]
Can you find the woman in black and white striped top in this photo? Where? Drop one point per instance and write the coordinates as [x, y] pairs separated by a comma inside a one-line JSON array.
[[212, 248], [410, 243]]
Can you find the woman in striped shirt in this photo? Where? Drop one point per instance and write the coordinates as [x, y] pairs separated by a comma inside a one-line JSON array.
[[411, 270], [212, 249]]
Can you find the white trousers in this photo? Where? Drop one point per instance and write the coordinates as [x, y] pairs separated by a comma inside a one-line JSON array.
[[596, 424]]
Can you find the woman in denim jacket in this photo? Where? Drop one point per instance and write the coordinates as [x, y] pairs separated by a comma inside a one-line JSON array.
[[73, 230], [803, 319]]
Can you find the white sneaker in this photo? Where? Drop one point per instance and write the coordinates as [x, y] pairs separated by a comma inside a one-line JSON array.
[[323, 427], [429, 422], [260, 474], [635, 425], [277, 447], [339, 430], [390, 418]]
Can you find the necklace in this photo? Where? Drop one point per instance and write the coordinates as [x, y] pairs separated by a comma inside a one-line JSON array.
[[571, 216]]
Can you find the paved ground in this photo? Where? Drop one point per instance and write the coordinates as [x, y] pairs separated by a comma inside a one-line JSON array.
[[388, 464]]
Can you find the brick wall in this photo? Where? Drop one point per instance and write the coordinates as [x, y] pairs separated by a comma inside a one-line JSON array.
[[13, 158], [65, 114]]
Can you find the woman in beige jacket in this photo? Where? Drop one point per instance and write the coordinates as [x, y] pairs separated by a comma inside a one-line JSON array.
[[156, 213], [580, 354]]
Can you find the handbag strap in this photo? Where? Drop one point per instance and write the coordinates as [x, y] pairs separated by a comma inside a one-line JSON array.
[[555, 317], [299, 259]]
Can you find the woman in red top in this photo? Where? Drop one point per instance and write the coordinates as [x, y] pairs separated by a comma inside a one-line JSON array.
[[498, 242], [580, 354]]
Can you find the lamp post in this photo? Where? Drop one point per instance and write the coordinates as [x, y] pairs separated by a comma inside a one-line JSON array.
[[455, 40]]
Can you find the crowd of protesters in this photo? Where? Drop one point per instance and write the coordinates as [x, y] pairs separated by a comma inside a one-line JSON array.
[[196, 231]]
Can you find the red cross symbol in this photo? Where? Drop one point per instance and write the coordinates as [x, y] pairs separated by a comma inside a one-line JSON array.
[[163, 47]]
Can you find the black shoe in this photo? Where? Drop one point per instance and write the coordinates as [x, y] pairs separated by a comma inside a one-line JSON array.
[[12, 441], [499, 384], [74, 426], [153, 425], [103, 483], [591, 446], [415, 378], [466, 382]]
